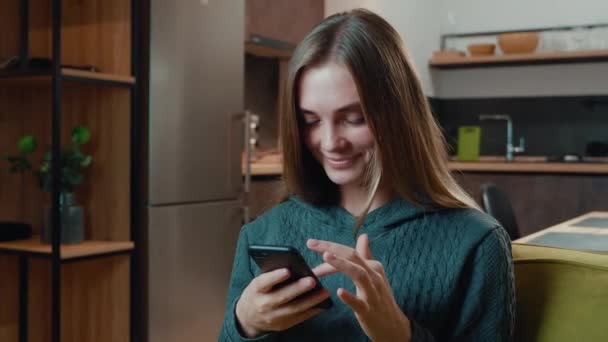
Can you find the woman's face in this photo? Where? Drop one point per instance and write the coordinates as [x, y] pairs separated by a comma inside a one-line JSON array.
[[334, 129]]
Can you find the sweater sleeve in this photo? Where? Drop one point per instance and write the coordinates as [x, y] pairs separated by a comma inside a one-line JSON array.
[[488, 309], [240, 278]]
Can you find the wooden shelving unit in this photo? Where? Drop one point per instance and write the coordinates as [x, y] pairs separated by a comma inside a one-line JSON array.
[[520, 59], [69, 293]]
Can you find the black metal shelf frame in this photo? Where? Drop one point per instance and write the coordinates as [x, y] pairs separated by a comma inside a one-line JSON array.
[[135, 203]]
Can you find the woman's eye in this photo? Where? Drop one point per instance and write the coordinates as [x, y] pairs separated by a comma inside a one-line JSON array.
[[355, 119], [310, 122]]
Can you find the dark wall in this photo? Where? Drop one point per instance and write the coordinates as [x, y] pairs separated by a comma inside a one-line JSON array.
[[550, 125]]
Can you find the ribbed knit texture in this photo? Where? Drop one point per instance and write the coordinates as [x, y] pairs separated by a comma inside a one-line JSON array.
[[450, 270]]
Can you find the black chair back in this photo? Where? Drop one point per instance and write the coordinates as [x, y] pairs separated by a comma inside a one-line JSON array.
[[496, 203]]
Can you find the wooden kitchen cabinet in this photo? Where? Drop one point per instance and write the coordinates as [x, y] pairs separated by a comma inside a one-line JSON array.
[[265, 192], [541, 200], [287, 21]]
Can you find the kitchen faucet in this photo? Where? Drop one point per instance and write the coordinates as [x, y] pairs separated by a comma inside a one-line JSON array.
[[510, 147]]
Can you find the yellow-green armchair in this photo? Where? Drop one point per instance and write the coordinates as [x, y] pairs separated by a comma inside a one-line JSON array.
[[562, 295]]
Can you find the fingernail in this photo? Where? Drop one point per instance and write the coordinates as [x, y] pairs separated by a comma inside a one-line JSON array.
[[312, 242], [308, 281], [330, 256]]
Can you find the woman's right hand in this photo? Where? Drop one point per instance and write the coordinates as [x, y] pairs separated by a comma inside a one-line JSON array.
[[262, 309]]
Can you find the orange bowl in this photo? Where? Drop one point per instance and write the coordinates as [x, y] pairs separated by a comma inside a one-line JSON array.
[[481, 49], [449, 53], [518, 42]]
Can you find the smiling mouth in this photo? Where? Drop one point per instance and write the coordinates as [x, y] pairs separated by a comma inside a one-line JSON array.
[[340, 163]]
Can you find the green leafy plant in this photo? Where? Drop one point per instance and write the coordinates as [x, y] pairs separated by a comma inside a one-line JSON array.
[[73, 161]]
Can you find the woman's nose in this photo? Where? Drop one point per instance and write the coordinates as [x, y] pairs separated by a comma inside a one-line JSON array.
[[332, 139]]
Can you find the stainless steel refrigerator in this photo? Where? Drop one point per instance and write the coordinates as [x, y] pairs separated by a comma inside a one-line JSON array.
[[194, 214]]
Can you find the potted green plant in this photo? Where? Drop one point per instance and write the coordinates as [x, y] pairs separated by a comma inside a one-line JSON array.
[[73, 163]]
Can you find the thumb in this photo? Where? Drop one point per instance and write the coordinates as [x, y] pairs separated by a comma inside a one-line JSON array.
[[363, 247]]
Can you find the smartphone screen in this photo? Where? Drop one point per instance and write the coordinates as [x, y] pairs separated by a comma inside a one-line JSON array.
[[270, 258]]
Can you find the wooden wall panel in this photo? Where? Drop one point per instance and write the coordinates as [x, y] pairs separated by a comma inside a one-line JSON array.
[[543, 200], [36, 105], [95, 300], [39, 300], [105, 192], [95, 32], [40, 35], [10, 130], [9, 298], [23, 110], [9, 28], [98, 32], [284, 20]]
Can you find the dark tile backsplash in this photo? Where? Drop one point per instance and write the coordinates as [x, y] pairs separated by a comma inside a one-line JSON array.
[[550, 125]]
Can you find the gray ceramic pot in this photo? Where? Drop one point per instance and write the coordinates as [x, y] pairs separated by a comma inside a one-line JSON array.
[[72, 221]]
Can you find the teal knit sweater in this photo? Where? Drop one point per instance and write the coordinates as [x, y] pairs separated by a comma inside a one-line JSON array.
[[450, 270]]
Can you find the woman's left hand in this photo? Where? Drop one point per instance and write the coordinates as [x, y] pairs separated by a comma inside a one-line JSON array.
[[374, 304]]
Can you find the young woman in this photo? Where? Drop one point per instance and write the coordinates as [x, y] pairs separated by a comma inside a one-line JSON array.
[[404, 253]]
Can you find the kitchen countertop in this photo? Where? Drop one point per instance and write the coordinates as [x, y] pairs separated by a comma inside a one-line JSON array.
[[269, 164]]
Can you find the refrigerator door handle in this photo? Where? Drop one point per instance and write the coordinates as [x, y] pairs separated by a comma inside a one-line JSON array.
[[245, 117], [247, 135]]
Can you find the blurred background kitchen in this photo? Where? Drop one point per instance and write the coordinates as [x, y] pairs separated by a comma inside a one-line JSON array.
[[181, 98], [550, 85]]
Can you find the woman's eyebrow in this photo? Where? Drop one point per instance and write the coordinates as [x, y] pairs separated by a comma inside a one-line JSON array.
[[351, 107], [306, 111]]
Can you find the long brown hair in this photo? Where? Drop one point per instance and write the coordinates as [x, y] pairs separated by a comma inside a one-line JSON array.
[[410, 154]]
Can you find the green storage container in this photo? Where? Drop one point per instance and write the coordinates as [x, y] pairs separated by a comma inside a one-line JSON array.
[[468, 142]]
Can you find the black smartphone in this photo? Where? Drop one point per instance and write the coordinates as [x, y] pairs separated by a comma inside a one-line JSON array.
[[270, 258]]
